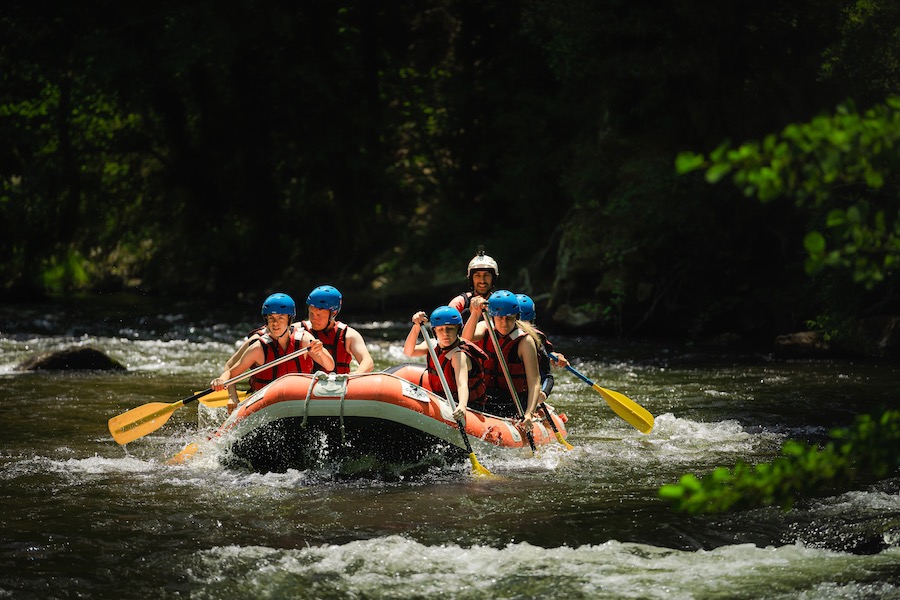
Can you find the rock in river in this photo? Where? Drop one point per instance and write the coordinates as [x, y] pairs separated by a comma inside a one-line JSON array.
[[71, 359]]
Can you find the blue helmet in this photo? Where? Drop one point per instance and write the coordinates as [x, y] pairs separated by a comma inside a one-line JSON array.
[[503, 303], [526, 307], [445, 315], [279, 304], [325, 296]]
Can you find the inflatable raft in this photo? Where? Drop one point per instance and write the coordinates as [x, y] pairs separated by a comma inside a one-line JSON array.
[[299, 421]]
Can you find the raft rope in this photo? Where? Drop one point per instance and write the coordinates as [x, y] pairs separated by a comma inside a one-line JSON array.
[[320, 375], [343, 379]]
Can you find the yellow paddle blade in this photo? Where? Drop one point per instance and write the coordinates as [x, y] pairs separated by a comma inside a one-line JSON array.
[[186, 453], [220, 399], [636, 415], [477, 469], [140, 421], [562, 440]]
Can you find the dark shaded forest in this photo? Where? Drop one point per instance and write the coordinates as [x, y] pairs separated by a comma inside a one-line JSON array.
[[219, 152]]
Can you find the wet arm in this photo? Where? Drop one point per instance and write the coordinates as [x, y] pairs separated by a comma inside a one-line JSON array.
[[461, 368], [474, 329], [528, 354], [253, 356], [546, 374], [236, 357], [357, 348], [318, 352], [410, 347]]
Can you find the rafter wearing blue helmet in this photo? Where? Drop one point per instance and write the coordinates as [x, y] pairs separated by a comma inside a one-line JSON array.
[[277, 339], [345, 343], [459, 360], [518, 350], [545, 347], [277, 303]]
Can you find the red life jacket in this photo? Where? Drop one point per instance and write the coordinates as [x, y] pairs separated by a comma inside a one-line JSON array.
[[271, 351], [476, 375], [334, 340], [494, 379]]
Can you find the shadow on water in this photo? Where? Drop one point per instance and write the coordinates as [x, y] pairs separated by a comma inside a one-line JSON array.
[[349, 448]]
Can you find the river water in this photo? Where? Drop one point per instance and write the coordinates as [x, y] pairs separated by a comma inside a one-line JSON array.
[[83, 517]]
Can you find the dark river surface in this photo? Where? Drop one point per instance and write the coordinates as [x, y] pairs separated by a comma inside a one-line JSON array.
[[83, 517]]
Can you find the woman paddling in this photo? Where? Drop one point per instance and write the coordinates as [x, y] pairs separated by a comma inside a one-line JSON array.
[[460, 361], [517, 354]]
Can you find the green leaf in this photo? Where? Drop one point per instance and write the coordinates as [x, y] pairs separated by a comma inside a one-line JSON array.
[[717, 172], [671, 492], [686, 162], [814, 242], [836, 218]]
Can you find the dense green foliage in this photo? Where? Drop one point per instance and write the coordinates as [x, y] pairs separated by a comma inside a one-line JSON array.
[[844, 166], [188, 149], [867, 451]]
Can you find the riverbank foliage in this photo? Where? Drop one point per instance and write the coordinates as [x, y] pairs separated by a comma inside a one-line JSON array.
[[868, 451], [181, 149]]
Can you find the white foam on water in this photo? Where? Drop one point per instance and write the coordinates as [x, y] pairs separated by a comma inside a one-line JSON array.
[[75, 467], [142, 355], [683, 440], [398, 567]]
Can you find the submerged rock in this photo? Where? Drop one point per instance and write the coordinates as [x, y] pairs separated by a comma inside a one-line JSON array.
[[71, 359], [802, 344]]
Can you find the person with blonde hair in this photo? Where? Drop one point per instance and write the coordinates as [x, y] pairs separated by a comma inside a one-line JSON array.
[[516, 355], [546, 354]]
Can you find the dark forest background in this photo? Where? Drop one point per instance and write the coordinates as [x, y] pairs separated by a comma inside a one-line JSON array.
[[221, 151]]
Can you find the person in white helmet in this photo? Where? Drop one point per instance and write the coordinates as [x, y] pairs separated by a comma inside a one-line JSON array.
[[482, 274]]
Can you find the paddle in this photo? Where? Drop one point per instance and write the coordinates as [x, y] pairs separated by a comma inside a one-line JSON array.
[[220, 399], [215, 400], [502, 360], [559, 437], [636, 415], [145, 419], [477, 469]]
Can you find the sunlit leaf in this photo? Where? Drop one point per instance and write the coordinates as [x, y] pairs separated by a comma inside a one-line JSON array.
[[814, 242], [686, 162]]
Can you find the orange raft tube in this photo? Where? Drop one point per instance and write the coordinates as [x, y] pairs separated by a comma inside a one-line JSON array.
[[300, 420]]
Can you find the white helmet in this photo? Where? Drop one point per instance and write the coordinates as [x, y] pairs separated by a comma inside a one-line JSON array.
[[482, 261]]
